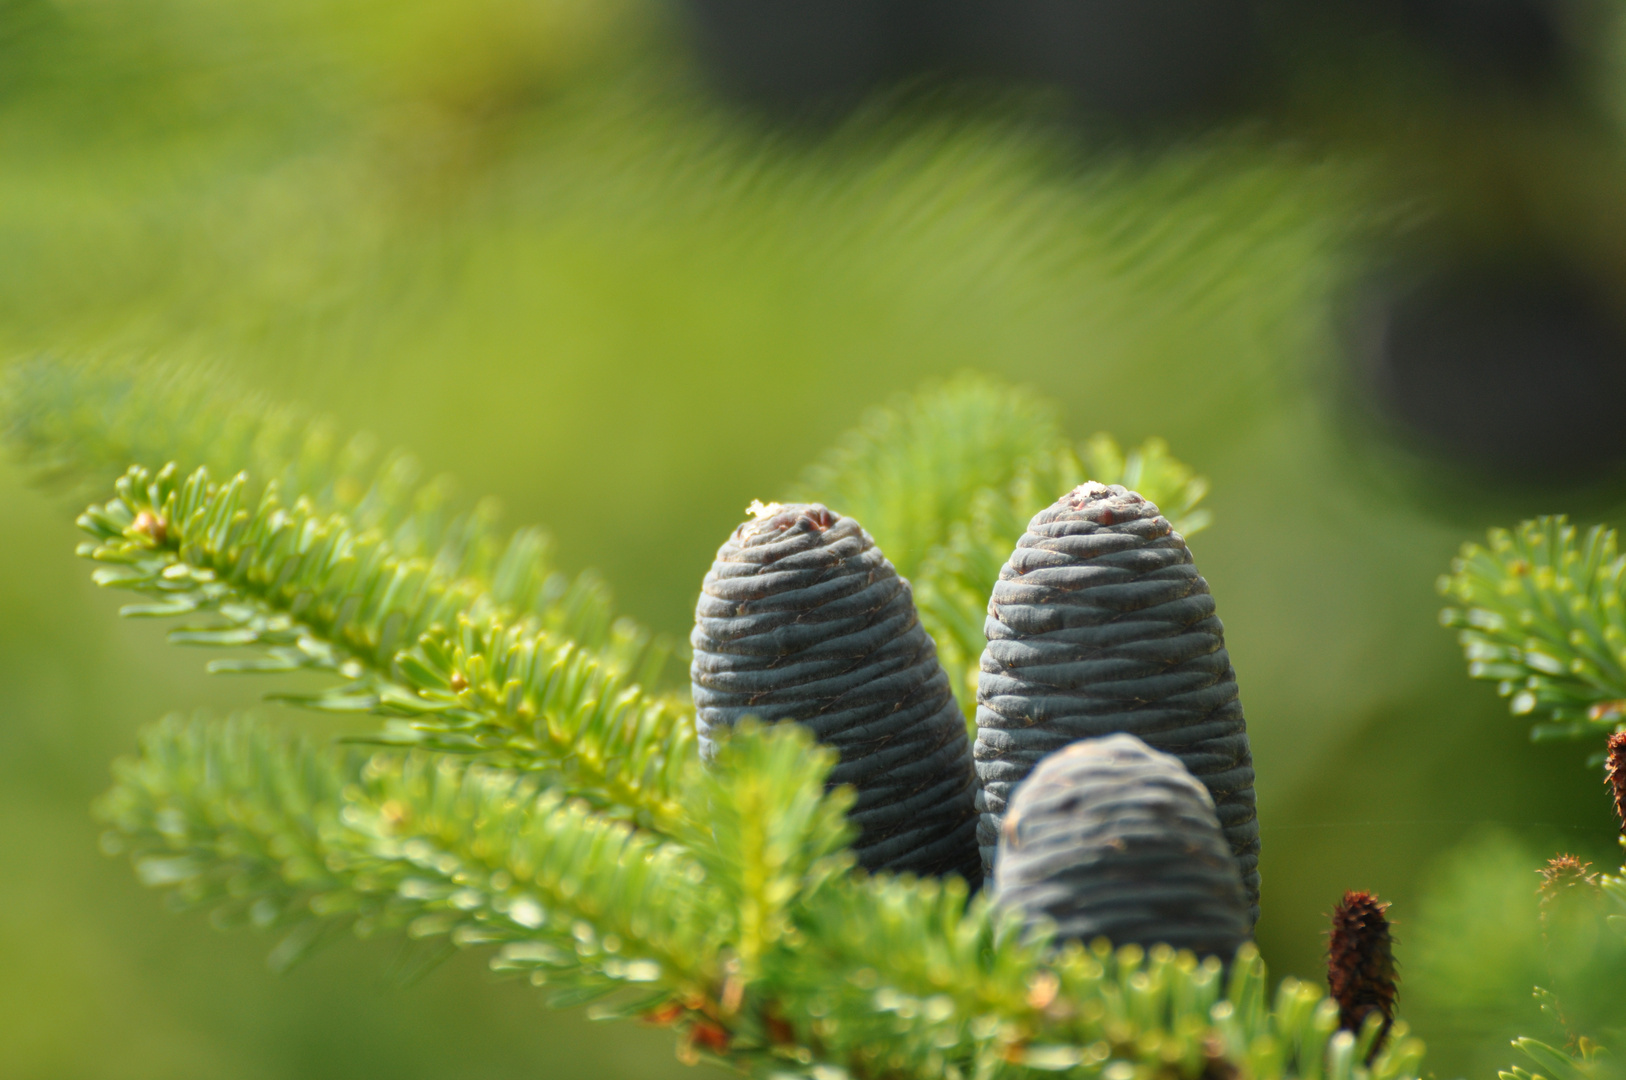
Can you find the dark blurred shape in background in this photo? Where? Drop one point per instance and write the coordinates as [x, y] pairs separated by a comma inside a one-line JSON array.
[[1515, 366], [1520, 39], [1513, 369], [1126, 58], [1123, 58], [790, 56]]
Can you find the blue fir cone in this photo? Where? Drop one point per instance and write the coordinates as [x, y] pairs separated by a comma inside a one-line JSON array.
[[802, 618], [1100, 623], [1109, 838]]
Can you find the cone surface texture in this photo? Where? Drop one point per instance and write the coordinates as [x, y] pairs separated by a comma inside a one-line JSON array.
[[1110, 838], [802, 618], [1100, 623]]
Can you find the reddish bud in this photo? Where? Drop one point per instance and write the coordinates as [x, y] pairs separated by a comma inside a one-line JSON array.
[[664, 1015], [1043, 987], [779, 1029], [1361, 964], [710, 1035]]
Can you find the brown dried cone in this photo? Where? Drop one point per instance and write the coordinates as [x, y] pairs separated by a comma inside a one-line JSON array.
[[1109, 838], [1615, 774], [1100, 623], [1361, 964], [802, 618]]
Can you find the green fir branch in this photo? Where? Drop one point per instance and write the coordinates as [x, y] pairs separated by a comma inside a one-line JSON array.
[[542, 804], [533, 700], [765, 843], [75, 423], [910, 469], [1539, 612], [1555, 1064], [229, 817], [1581, 1058], [921, 976], [409, 642], [832, 975], [268, 831]]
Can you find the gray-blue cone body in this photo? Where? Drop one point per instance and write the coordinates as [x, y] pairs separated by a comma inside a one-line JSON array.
[[802, 618], [1100, 623], [1109, 838]]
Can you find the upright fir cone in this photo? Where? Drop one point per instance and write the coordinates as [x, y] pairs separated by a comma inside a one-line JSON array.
[[1109, 838], [1361, 964], [1100, 623], [1615, 774], [802, 618]]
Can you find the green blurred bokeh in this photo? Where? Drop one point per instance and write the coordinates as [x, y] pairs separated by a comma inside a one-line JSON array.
[[517, 238]]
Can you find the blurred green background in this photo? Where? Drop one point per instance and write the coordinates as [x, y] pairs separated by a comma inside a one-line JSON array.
[[520, 238]]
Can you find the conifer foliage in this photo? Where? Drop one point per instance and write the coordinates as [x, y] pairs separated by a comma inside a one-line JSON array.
[[528, 788], [439, 659], [1539, 612]]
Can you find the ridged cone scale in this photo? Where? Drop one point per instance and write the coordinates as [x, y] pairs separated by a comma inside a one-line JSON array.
[[1109, 838], [802, 618], [1100, 623]]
